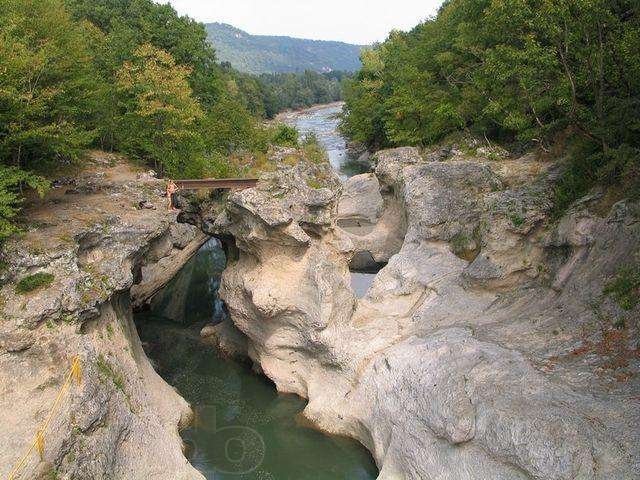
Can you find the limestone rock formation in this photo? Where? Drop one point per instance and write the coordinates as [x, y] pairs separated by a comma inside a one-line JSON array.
[[373, 221], [94, 247], [480, 350]]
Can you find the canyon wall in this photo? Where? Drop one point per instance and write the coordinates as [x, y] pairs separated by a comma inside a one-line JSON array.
[[485, 348], [106, 245]]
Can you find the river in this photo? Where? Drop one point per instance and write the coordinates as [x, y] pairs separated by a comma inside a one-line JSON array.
[[244, 429], [323, 122]]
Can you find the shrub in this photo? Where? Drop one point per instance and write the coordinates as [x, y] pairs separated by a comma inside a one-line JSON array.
[[11, 180], [285, 136], [314, 183], [34, 282], [313, 151], [625, 287]]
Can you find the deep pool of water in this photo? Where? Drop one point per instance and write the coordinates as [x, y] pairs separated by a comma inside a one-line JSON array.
[[244, 429]]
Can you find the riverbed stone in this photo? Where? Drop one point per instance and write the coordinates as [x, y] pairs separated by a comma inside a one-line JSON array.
[[227, 339]]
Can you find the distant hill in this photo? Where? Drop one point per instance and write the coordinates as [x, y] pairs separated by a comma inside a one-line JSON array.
[[271, 54]]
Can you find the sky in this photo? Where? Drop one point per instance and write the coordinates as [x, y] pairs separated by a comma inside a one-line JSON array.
[[352, 21]]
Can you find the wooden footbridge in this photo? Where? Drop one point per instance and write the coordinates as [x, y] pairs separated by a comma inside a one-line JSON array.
[[216, 183]]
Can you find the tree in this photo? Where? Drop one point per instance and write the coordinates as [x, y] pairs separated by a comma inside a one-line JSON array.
[[11, 181], [364, 110], [47, 86], [159, 113], [515, 71]]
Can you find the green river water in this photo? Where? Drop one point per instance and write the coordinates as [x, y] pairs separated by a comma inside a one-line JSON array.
[[244, 429]]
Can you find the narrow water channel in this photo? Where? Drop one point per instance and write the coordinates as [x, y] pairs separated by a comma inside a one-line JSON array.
[[244, 429], [323, 121]]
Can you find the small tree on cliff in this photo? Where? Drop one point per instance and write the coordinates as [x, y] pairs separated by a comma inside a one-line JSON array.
[[160, 116]]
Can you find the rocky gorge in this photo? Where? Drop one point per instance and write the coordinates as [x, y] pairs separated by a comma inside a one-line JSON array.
[[490, 344], [485, 347]]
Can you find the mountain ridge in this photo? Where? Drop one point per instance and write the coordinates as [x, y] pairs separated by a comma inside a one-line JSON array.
[[279, 53]]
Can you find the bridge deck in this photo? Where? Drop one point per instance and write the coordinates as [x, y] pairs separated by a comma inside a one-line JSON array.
[[222, 183]]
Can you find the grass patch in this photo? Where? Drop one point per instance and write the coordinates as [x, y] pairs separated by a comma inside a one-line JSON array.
[[625, 287], [53, 474], [66, 318], [34, 282], [313, 151], [516, 219], [313, 183], [291, 160], [107, 371], [36, 248], [459, 243], [96, 286], [588, 166]]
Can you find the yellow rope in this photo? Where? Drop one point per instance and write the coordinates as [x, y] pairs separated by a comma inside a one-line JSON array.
[[75, 373]]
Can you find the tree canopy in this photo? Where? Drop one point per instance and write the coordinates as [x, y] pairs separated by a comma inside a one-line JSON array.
[[525, 72], [125, 75]]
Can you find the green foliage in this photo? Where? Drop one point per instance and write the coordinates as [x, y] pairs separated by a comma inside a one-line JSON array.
[[34, 282], [516, 71], [46, 85], [298, 90], [105, 368], [625, 287], [285, 136], [589, 165], [53, 474], [459, 243], [365, 110], [126, 24], [11, 181], [517, 220], [313, 151], [125, 75], [266, 54], [313, 183], [230, 127], [160, 115]]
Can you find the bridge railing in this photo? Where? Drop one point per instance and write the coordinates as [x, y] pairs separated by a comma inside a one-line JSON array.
[[222, 183]]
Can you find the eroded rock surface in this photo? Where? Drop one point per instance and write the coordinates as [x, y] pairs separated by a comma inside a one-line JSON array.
[[485, 347], [122, 421], [373, 220]]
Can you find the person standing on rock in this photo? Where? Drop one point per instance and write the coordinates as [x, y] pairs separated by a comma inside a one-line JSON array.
[[171, 189]]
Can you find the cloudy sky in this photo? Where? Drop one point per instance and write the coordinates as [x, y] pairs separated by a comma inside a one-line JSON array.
[[353, 21]]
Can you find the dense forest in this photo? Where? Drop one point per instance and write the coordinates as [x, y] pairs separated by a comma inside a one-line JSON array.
[[271, 93], [259, 54], [129, 76], [562, 76], [299, 90]]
